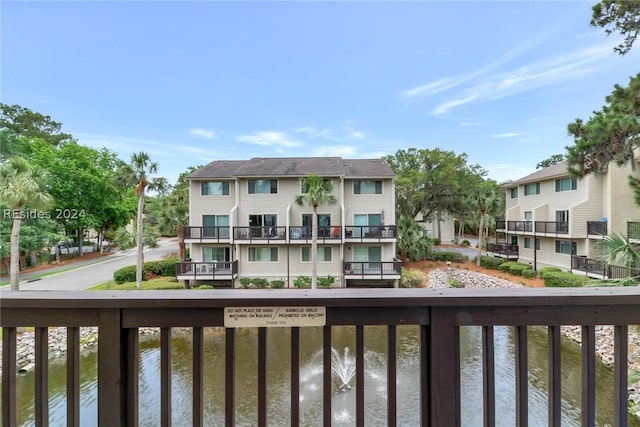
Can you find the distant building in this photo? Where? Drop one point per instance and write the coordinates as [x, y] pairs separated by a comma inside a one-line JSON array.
[[553, 219], [244, 222]]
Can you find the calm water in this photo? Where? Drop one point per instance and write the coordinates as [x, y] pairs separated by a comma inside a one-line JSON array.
[[343, 404]]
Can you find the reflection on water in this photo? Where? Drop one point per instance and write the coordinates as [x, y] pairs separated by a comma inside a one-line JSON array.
[[343, 402]]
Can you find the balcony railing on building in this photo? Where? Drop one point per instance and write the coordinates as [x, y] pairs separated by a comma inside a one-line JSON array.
[[633, 231], [277, 234], [202, 270], [600, 270], [303, 234], [520, 226], [438, 313], [503, 250], [370, 233], [552, 227], [387, 270], [206, 234], [597, 228]]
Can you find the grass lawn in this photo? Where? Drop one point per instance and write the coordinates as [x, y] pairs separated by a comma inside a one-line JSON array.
[[154, 284]]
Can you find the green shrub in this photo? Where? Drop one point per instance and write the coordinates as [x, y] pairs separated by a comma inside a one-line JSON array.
[[491, 262], [465, 242], [518, 268], [302, 282], [545, 270], [563, 279], [204, 287], [436, 242], [326, 282], [260, 283], [277, 284], [505, 267], [529, 273], [125, 274], [455, 283], [411, 278], [447, 256], [245, 282]]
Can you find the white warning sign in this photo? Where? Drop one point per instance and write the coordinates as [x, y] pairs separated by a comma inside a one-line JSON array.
[[256, 317]]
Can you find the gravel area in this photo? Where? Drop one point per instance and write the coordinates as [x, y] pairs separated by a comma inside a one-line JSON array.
[[604, 334]]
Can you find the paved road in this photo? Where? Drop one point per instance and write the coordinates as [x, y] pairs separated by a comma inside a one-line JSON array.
[[97, 272]]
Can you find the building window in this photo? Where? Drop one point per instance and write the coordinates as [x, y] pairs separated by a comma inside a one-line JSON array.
[[263, 254], [566, 247], [367, 187], [566, 184], [528, 215], [215, 226], [216, 254], [514, 193], [304, 185], [263, 186], [530, 189], [528, 243], [324, 253], [214, 188]]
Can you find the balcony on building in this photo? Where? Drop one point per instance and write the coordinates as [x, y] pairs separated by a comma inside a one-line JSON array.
[[203, 270], [597, 229], [372, 270], [260, 234], [193, 234], [370, 233], [633, 232], [503, 250], [303, 235]]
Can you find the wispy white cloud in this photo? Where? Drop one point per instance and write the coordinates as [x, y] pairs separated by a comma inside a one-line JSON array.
[[269, 138], [335, 151], [539, 74], [469, 124], [313, 133], [506, 135], [353, 133], [202, 133]]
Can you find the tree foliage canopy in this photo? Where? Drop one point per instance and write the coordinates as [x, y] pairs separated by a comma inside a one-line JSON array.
[[618, 16], [21, 121]]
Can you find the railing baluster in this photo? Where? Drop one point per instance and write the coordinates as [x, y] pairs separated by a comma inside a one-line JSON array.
[[73, 377], [9, 346], [391, 375], [621, 345], [425, 374], [229, 378], [359, 375], [554, 376], [295, 377], [326, 376], [262, 377], [489, 376], [522, 378], [588, 376], [165, 377], [198, 377], [444, 385], [133, 369], [42, 376], [111, 359]]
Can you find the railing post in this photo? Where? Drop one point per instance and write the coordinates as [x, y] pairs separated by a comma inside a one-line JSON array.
[[112, 360], [444, 384]]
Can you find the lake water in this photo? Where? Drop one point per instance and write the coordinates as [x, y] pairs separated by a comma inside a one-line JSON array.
[[343, 404]]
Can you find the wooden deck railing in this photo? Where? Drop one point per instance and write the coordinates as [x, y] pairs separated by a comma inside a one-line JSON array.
[[439, 313]]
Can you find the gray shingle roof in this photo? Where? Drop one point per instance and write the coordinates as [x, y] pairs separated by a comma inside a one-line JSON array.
[[553, 171], [295, 167]]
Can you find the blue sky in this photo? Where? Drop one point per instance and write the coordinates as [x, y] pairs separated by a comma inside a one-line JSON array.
[[192, 82]]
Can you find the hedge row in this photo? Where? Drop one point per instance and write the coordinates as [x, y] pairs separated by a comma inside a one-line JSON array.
[[163, 267], [557, 279], [447, 256], [491, 262]]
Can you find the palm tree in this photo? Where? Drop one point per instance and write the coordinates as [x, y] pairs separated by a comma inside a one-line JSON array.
[[413, 245], [19, 187], [317, 191], [486, 202], [137, 174], [618, 250]]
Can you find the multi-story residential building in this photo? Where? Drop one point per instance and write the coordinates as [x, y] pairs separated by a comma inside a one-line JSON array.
[[244, 222], [554, 219]]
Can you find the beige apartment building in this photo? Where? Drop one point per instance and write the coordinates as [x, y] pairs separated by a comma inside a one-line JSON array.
[[553, 219], [244, 222]]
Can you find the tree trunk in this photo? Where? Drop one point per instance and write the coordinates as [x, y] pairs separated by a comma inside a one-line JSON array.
[[480, 238], [139, 241], [80, 236], [33, 257], [314, 249], [14, 267]]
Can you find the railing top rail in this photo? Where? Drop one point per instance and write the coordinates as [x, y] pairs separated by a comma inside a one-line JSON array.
[[466, 297]]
